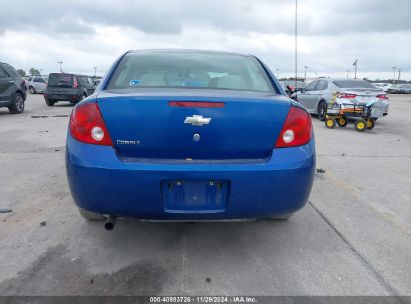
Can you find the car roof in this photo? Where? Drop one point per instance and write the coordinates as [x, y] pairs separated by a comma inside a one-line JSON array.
[[65, 74], [188, 51], [341, 79], [331, 79]]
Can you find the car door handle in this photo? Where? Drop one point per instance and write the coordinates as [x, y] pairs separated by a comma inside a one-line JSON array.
[[11, 81]]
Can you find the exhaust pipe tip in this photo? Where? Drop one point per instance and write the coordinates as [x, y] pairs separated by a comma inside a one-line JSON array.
[[111, 221]]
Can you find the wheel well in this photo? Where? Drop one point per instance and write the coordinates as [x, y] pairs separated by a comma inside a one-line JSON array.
[[19, 91], [318, 105]]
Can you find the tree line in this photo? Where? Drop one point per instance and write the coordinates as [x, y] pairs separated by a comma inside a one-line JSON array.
[[32, 72]]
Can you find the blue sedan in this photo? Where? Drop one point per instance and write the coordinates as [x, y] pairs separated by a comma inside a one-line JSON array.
[[189, 135]]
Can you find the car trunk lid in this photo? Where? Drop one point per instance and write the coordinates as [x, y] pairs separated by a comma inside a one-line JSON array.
[[159, 124], [364, 96]]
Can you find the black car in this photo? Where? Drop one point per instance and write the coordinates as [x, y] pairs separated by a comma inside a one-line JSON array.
[[12, 89], [67, 87]]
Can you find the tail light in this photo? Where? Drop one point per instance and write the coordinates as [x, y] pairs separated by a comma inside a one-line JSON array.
[[346, 95], [382, 96], [75, 82], [87, 125], [297, 129]]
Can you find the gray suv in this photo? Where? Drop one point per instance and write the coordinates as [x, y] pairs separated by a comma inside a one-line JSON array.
[[319, 93], [12, 89], [68, 87]]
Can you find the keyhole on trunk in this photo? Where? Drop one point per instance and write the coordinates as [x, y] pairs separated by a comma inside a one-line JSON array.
[[196, 137]]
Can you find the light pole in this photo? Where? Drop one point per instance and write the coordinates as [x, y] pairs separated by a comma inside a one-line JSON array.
[[399, 74], [61, 66], [305, 72], [296, 32], [95, 71], [393, 79], [355, 64]]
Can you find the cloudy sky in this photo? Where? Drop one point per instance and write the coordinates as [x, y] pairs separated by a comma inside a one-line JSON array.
[[332, 33]]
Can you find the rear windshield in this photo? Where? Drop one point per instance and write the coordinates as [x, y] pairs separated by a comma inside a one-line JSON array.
[[353, 84], [60, 80], [162, 69]]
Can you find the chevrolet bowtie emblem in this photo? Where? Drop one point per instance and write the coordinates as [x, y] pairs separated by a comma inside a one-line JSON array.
[[197, 120]]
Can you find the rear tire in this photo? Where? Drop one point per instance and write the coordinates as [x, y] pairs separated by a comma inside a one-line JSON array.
[[49, 102], [322, 110], [32, 90], [91, 216], [17, 106]]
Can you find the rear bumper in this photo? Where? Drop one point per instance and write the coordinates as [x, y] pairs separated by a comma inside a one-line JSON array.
[[69, 96], [100, 182]]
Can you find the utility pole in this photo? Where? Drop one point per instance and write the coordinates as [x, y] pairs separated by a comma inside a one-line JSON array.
[[61, 67], [305, 72], [95, 71], [296, 32], [393, 79]]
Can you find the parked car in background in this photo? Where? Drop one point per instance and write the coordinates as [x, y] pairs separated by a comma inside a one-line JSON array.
[[394, 89], [67, 87], [318, 94], [189, 135], [404, 88], [382, 86], [12, 89], [37, 84]]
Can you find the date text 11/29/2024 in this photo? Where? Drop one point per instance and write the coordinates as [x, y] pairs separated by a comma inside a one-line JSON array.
[[203, 299]]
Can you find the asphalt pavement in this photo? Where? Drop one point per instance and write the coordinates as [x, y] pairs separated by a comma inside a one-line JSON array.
[[352, 238]]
